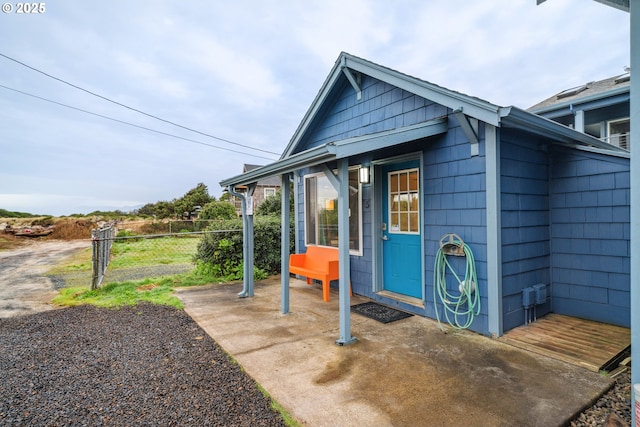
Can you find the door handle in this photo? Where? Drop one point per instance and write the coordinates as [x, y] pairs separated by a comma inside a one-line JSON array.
[[385, 237]]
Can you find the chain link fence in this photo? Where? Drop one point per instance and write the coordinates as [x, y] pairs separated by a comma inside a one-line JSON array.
[[101, 242], [146, 227], [127, 257], [142, 257]]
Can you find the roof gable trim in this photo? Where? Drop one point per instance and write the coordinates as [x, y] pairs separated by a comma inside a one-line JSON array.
[[346, 63], [474, 107]]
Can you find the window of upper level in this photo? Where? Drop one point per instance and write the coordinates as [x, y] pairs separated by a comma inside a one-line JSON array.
[[269, 192], [618, 133]]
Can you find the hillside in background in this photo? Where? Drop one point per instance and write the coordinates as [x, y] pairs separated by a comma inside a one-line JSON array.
[[10, 214]]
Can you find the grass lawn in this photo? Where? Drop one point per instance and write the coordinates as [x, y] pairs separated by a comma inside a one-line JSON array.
[[146, 252], [130, 253]]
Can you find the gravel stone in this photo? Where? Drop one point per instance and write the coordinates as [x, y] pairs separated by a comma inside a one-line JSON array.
[[612, 409], [134, 366]]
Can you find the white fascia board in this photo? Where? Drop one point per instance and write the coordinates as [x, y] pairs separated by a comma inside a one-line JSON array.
[[473, 107]]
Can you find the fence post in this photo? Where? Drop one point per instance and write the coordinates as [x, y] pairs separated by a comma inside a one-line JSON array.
[[101, 242], [95, 259]]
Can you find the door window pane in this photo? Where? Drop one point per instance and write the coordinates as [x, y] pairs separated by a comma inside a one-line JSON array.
[[404, 201]]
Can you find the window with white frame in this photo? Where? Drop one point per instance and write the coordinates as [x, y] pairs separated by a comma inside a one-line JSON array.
[[321, 212], [269, 192], [618, 133]]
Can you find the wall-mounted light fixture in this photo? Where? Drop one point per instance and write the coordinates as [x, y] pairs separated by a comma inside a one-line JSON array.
[[363, 174]]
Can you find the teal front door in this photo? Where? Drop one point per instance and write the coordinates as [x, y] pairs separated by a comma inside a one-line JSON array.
[[402, 229]]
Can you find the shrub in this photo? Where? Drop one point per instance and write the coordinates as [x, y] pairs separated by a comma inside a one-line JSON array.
[[222, 249], [73, 229], [218, 210], [155, 227], [272, 205], [267, 232], [127, 233], [44, 221]]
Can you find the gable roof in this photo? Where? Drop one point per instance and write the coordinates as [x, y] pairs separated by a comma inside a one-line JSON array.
[[342, 74], [347, 63], [585, 93]]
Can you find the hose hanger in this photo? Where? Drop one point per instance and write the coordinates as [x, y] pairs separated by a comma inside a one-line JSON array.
[[452, 244]]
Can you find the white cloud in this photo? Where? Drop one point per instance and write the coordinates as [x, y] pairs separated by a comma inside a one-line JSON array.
[[326, 28], [150, 76], [236, 75]]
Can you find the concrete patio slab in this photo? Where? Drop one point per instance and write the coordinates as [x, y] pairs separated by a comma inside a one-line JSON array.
[[404, 373]]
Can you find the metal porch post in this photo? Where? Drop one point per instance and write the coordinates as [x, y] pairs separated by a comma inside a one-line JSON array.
[[247, 248], [284, 249], [249, 244], [343, 254], [634, 9]]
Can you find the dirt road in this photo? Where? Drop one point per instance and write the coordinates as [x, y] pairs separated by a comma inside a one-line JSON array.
[[23, 287]]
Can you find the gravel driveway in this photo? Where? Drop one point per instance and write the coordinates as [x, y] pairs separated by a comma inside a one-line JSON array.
[[23, 287]]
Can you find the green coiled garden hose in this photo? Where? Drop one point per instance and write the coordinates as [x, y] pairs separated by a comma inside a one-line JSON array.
[[460, 308]]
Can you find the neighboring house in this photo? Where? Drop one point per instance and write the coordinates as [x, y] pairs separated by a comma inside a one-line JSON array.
[[536, 201], [600, 109], [264, 188]]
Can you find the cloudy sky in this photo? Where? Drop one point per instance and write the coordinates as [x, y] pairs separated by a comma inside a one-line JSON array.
[[242, 74]]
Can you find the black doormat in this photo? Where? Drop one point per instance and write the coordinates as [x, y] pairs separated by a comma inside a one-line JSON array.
[[379, 312]]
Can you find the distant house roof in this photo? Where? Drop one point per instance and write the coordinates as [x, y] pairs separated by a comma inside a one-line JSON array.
[[585, 93], [272, 181]]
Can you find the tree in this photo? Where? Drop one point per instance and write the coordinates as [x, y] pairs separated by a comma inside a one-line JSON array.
[[272, 205], [218, 210], [197, 196], [225, 197], [157, 210]]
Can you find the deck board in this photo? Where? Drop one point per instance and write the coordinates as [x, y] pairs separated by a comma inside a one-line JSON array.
[[577, 341]]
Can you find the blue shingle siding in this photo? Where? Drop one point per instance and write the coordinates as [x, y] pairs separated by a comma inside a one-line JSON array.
[[455, 202], [590, 236], [382, 107], [525, 222]]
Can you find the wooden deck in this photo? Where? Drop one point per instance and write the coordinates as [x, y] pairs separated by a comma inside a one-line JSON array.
[[576, 341]]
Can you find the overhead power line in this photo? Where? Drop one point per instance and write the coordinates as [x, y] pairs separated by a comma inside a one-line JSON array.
[[135, 109], [134, 125]]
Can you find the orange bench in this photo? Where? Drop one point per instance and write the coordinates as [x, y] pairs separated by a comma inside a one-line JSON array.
[[320, 263]]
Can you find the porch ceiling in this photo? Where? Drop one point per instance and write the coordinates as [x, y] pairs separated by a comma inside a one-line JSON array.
[[341, 149]]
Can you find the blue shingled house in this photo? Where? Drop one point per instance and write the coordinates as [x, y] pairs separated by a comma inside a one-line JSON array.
[[385, 165]]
